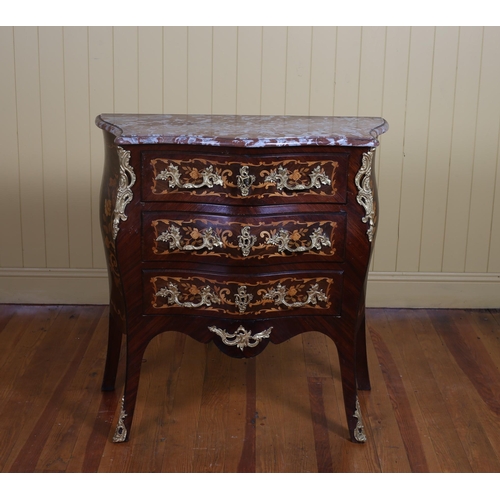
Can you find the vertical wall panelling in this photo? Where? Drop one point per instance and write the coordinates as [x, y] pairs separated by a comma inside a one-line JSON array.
[[485, 156], [200, 69], [371, 80], [11, 254], [391, 155], [462, 152], [440, 129], [101, 82], [494, 250], [322, 70], [175, 69], [150, 69], [126, 69], [371, 71], [274, 46], [298, 76], [30, 145], [53, 123], [225, 68], [347, 71], [415, 146], [78, 123], [248, 99], [438, 171]]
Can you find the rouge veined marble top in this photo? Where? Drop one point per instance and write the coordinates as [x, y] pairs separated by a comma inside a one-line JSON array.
[[251, 131]]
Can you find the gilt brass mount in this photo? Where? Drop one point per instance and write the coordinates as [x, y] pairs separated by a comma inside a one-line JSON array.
[[124, 195], [359, 431], [241, 338], [363, 181]]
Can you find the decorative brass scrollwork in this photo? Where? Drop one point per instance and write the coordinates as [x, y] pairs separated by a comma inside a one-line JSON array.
[[242, 299], [246, 241], [124, 195], [282, 177], [173, 237], [359, 431], [365, 195], [209, 178], [281, 292], [241, 338], [120, 434], [245, 181], [173, 295], [283, 238]]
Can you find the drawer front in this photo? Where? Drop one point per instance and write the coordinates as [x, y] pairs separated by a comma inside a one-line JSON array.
[[256, 179], [179, 235], [174, 292]]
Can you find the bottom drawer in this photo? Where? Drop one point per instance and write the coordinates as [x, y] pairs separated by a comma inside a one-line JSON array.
[[174, 292]]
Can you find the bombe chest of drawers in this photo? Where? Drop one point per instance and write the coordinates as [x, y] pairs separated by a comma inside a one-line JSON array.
[[241, 230]]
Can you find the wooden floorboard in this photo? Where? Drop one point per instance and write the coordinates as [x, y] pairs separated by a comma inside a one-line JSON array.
[[434, 404]]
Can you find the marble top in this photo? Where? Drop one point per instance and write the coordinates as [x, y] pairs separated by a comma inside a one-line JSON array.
[[250, 131]]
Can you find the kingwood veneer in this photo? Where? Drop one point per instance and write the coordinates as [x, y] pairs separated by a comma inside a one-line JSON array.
[[241, 230]]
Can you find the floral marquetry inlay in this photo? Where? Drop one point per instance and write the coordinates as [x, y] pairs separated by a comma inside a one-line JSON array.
[[237, 298], [219, 238], [206, 177]]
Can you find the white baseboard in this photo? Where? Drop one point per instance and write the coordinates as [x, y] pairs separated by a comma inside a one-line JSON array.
[[385, 289], [53, 286], [434, 290]]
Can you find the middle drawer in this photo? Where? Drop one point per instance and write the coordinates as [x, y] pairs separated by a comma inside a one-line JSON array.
[[182, 236]]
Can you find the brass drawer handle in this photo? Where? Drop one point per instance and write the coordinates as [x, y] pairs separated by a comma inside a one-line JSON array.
[[173, 237], [209, 178], [241, 338], [172, 294], [281, 293], [283, 238], [283, 176]]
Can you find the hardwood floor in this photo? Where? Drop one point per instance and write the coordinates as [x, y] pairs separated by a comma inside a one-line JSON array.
[[434, 404]]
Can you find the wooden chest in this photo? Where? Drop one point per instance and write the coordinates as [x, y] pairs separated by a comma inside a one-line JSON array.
[[241, 230]]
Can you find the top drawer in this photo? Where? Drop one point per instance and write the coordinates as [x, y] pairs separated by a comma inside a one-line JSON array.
[[251, 179]]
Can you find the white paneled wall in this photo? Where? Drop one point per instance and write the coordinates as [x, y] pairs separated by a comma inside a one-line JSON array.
[[438, 242]]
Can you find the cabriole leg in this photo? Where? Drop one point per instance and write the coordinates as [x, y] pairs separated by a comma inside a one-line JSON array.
[[362, 374], [113, 353], [351, 402], [133, 370]]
